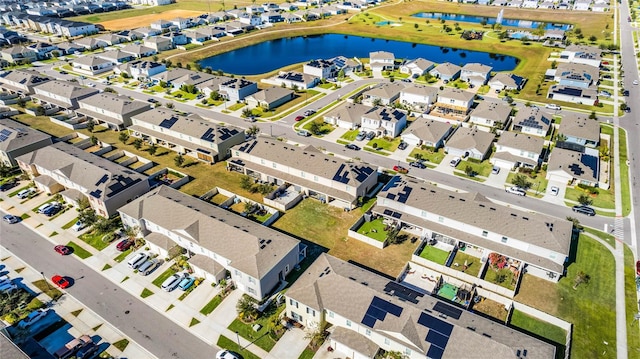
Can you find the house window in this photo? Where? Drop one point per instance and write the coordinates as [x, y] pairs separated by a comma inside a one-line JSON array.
[[293, 303], [301, 174], [485, 233], [407, 351], [315, 178], [441, 219], [251, 290], [286, 269], [348, 323], [367, 332], [274, 165], [237, 273], [504, 240], [330, 314], [423, 213], [261, 162], [311, 311], [387, 341], [251, 280]]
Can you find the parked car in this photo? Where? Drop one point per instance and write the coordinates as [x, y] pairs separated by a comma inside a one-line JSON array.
[[72, 347], [309, 112], [63, 73], [60, 281], [625, 93], [351, 146], [137, 259], [148, 266], [78, 226], [87, 351], [361, 135], [152, 100], [124, 244], [417, 164], [62, 250], [553, 106], [225, 354], [638, 267], [402, 146], [495, 170], [172, 282], [11, 219], [516, 190], [455, 162], [370, 135], [584, 210], [299, 118], [604, 93], [400, 169], [635, 82], [8, 185], [26, 193], [303, 133], [186, 283], [45, 206], [554, 190], [32, 318], [52, 210]]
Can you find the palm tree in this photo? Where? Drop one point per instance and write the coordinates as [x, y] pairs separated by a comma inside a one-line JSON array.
[[123, 137]]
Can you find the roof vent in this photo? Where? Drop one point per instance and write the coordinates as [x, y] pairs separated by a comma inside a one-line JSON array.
[[491, 208]]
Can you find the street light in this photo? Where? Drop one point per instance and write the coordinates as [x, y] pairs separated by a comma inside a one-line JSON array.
[[537, 188], [238, 338], [45, 280]]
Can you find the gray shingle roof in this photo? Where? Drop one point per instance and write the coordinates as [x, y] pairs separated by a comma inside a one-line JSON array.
[[90, 60], [348, 112], [532, 117], [471, 138], [456, 94], [65, 89], [110, 102], [272, 94], [580, 126], [428, 130], [576, 164], [447, 69], [421, 90], [493, 111], [521, 141], [14, 135], [220, 231], [385, 90]]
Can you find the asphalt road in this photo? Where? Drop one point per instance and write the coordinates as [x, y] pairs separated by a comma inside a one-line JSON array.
[[157, 334]]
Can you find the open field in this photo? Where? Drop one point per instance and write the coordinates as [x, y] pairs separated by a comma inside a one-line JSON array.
[[122, 23]]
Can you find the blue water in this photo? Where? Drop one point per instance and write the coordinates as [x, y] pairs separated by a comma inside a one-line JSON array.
[[525, 24], [382, 23], [272, 55]]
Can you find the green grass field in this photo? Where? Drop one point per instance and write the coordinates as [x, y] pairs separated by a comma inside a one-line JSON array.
[[434, 254], [79, 251]]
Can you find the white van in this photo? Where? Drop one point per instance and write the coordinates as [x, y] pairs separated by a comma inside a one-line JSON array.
[[136, 261], [553, 106], [148, 266]]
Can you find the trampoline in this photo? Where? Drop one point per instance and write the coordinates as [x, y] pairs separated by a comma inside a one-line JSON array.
[[448, 291]]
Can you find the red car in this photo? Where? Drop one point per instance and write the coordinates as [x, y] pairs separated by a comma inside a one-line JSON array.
[[638, 267], [124, 245], [400, 169], [62, 250], [299, 118], [60, 281]]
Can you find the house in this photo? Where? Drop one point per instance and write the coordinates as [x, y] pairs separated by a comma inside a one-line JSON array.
[[533, 121], [191, 136], [251, 20], [577, 75], [76, 173], [159, 43], [567, 166], [116, 56], [346, 115], [70, 48], [177, 38], [384, 121], [304, 171], [10, 37], [475, 73], [419, 96], [63, 94], [22, 81], [600, 7], [491, 114], [144, 32], [139, 51], [370, 313], [382, 94], [581, 5], [381, 61], [17, 139], [91, 43], [270, 98], [257, 258], [514, 149], [530, 4], [446, 71], [91, 65], [172, 74], [323, 69], [114, 111], [75, 28], [141, 69], [112, 39], [582, 54], [453, 102], [538, 242], [427, 132], [161, 25], [555, 35], [44, 50], [293, 79], [417, 67], [237, 89], [470, 142], [271, 17], [579, 130], [588, 96], [18, 54]]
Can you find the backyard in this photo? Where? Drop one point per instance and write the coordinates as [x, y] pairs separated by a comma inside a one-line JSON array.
[[502, 277], [374, 229], [434, 254], [540, 328], [473, 264]]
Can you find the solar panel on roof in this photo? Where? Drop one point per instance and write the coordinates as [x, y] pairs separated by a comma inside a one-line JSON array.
[[3, 138], [435, 352], [167, 123], [436, 324], [448, 310], [386, 306], [5, 132], [208, 135], [437, 339], [378, 310]]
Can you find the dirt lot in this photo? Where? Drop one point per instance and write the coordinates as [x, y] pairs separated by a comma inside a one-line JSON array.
[[145, 20]]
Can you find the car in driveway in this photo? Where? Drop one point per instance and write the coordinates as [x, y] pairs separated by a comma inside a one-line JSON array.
[[516, 190], [52, 210], [87, 351], [46, 206], [60, 281], [137, 259], [8, 185], [11, 219], [225, 354], [62, 250], [148, 266], [370, 135], [299, 118], [26, 193], [124, 244], [495, 170], [361, 135], [417, 164], [78, 226], [400, 169], [172, 282], [32, 318], [584, 210], [555, 190], [403, 145], [351, 146], [186, 283], [455, 162]]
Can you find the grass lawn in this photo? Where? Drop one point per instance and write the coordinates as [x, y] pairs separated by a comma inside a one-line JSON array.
[[212, 305], [94, 239], [236, 106], [162, 277], [226, 343], [633, 335], [502, 277], [492, 309], [146, 293], [307, 354], [70, 224], [374, 229], [47, 288], [79, 251], [538, 327], [434, 254], [350, 135], [384, 144], [121, 344], [327, 226], [122, 255], [537, 182], [602, 235], [325, 128], [481, 169], [473, 263], [624, 173], [604, 199], [590, 307], [428, 156], [464, 175], [261, 338], [183, 95]]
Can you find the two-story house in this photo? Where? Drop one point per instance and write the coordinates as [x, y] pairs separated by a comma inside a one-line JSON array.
[[307, 170], [63, 94], [475, 73], [446, 71], [22, 81], [579, 130], [381, 61], [76, 173], [384, 121], [141, 69], [17, 139], [514, 149], [454, 103], [18, 54], [417, 67], [382, 94], [506, 81], [323, 69], [236, 89], [427, 132], [470, 142], [91, 65], [112, 110], [419, 96], [577, 75], [582, 54], [257, 257], [533, 121], [191, 135]]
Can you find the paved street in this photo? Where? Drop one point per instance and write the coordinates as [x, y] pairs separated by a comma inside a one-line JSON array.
[[159, 335]]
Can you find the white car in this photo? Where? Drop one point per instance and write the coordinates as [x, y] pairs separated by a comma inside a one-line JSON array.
[[455, 161], [554, 190], [32, 318], [78, 226], [25, 193], [553, 106], [225, 354], [515, 190], [172, 282]]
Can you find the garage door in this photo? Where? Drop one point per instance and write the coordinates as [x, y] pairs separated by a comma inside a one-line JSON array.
[[503, 163], [348, 351]]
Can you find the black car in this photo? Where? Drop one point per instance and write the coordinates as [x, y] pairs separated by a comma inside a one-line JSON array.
[[88, 351], [417, 164], [52, 211], [625, 93], [584, 210], [152, 100], [8, 185], [402, 146], [63, 73], [351, 146]]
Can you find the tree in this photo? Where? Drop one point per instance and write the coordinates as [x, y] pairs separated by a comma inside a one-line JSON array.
[[179, 160], [153, 148], [21, 102], [315, 127], [584, 200], [246, 308], [109, 89], [247, 112], [246, 182], [90, 125], [88, 216], [593, 115], [214, 95], [392, 235], [253, 130], [83, 203], [415, 26], [131, 232], [593, 38], [40, 111], [94, 140], [521, 181], [469, 171], [581, 277], [316, 337], [137, 143], [169, 105], [123, 137]]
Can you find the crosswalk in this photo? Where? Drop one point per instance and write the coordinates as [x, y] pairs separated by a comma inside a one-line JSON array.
[[618, 228]]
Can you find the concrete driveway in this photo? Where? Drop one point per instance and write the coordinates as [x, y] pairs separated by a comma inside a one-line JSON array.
[[291, 345], [498, 180]]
